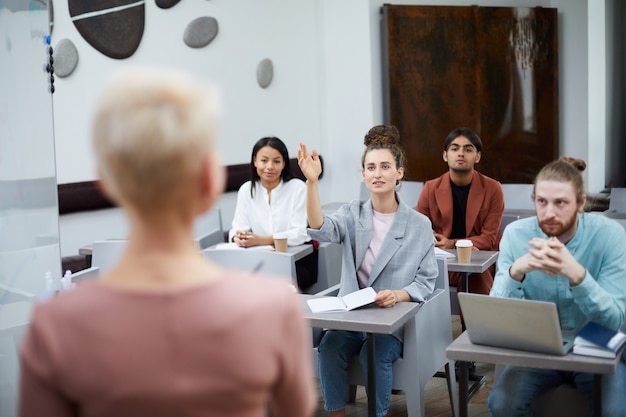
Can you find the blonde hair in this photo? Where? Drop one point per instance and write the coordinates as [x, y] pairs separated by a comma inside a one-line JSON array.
[[564, 169], [152, 132]]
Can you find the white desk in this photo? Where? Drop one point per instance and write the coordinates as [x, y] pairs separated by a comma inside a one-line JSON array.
[[464, 351], [370, 319], [297, 252], [259, 259], [481, 260]]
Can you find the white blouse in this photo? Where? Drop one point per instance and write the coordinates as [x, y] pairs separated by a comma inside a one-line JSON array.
[[286, 213]]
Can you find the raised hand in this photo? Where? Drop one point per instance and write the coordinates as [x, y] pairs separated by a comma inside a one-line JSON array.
[[310, 165]]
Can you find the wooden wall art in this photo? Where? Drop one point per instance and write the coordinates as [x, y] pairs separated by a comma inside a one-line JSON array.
[[491, 69]]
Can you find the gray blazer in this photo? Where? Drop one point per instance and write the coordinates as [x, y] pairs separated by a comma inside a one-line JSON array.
[[406, 260]]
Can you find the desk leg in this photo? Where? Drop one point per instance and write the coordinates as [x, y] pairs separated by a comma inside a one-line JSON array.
[[463, 389], [597, 395], [464, 288], [371, 376], [477, 380]]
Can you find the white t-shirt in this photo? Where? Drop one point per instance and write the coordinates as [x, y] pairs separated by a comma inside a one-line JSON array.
[[286, 213]]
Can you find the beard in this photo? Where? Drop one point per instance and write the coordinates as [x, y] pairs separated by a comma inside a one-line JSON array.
[[558, 228]]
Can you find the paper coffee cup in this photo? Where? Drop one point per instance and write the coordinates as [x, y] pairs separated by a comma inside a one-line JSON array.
[[464, 250], [280, 242]]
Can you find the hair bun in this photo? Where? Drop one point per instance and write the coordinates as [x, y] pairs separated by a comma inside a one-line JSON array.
[[579, 164], [382, 134]]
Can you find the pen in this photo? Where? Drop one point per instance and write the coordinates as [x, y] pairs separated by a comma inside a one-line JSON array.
[[257, 267]]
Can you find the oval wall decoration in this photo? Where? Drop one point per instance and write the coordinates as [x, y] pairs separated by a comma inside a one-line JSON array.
[[200, 32], [166, 4], [65, 58], [113, 27], [265, 73]]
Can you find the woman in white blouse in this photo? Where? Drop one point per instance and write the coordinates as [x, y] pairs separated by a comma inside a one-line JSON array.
[[273, 201]]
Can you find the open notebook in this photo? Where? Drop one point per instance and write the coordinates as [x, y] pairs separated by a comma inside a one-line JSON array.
[[514, 324]]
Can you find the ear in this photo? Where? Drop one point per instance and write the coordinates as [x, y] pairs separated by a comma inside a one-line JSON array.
[[478, 155], [445, 156], [583, 201], [400, 173]]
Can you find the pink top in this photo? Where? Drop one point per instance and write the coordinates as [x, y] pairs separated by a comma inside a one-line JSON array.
[[225, 348], [381, 222]]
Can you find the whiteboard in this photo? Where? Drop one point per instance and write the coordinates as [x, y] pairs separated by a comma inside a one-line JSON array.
[[29, 219]]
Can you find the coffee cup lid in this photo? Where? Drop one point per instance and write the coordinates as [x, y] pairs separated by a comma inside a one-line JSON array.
[[464, 243], [280, 235]]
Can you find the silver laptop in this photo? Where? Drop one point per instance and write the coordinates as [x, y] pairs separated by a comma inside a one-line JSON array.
[[514, 323]]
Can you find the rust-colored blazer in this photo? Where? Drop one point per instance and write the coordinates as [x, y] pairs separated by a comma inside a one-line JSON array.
[[483, 215]]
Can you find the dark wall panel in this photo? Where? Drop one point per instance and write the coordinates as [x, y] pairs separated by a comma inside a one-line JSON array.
[[491, 69]]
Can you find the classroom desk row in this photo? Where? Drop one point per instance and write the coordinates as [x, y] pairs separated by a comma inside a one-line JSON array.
[[386, 321]]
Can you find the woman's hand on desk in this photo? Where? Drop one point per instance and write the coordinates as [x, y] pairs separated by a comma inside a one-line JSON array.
[[389, 298], [246, 239]]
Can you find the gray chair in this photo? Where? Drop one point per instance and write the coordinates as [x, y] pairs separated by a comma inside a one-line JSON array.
[[85, 275], [426, 337], [410, 191], [617, 200], [269, 262], [328, 267], [208, 229], [107, 253], [518, 203], [518, 197], [364, 193]]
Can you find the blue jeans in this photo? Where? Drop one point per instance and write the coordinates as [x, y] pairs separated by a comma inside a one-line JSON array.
[[516, 388], [336, 349]]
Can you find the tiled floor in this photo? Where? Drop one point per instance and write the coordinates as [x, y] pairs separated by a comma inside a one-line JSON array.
[[437, 401]]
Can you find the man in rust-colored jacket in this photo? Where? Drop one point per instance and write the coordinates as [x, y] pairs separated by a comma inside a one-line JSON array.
[[464, 204]]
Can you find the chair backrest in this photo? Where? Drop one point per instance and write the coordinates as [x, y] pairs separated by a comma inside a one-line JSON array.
[[208, 229], [518, 197], [364, 193], [265, 261], [410, 191], [85, 275], [442, 282], [328, 267], [107, 253], [617, 200]]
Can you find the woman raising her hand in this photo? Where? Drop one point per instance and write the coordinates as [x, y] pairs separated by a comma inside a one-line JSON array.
[[386, 245]]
